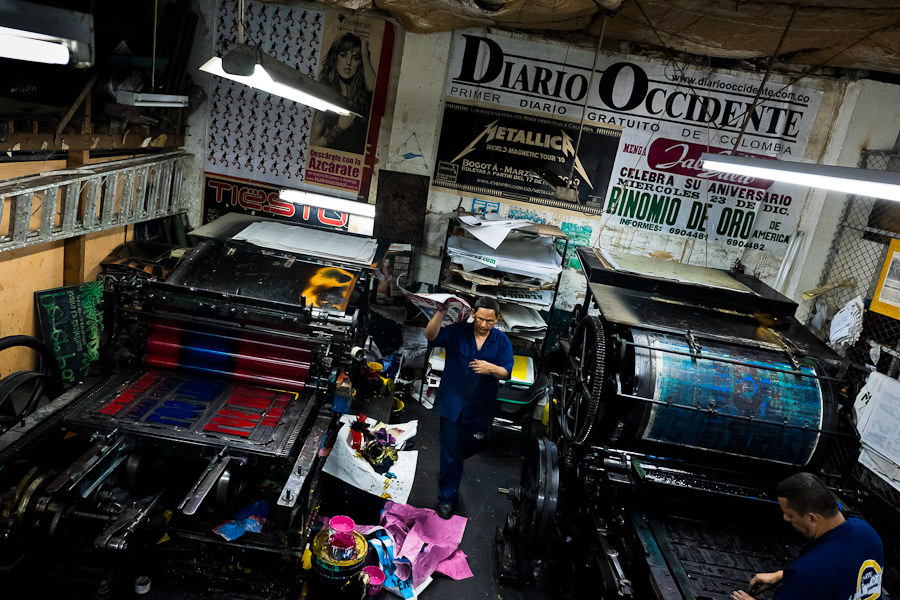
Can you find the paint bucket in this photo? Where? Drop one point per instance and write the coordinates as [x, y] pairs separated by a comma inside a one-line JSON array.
[[376, 579], [397, 407], [370, 384], [340, 538], [334, 578]]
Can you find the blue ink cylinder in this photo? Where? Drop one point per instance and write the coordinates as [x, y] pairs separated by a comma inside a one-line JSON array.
[[702, 406]]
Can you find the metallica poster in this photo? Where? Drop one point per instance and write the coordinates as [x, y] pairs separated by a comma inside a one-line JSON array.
[[489, 152]]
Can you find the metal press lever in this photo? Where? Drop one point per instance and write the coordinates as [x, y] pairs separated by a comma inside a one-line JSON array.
[[204, 484]]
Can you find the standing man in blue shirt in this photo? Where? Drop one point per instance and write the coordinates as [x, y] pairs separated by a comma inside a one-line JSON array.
[[477, 358], [843, 560]]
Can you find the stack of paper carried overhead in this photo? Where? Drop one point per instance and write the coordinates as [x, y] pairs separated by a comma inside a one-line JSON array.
[[311, 242], [533, 257], [491, 229], [522, 321]]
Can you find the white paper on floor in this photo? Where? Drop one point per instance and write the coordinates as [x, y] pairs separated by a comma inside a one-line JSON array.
[[349, 466]]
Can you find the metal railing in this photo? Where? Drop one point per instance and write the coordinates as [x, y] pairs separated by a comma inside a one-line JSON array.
[[67, 203]]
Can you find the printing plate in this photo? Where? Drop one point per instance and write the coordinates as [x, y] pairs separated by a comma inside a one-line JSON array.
[[199, 410]]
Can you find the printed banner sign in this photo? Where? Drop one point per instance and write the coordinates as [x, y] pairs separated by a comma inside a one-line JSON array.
[[669, 115], [258, 136], [509, 155], [673, 194], [223, 195]]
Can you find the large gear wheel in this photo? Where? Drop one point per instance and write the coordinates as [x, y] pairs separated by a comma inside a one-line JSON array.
[[539, 493], [19, 508], [582, 383]]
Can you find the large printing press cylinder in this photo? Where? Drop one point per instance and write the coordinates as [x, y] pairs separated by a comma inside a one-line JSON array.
[[706, 400], [250, 357]]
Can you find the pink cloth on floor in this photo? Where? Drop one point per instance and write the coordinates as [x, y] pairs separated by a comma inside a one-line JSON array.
[[427, 541]]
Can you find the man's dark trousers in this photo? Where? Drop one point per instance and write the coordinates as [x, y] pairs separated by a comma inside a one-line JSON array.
[[458, 442]]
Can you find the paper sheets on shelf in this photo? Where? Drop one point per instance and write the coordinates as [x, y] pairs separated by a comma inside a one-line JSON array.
[[311, 242], [491, 230], [538, 299], [535, 257], [496, 278], [522, 321]]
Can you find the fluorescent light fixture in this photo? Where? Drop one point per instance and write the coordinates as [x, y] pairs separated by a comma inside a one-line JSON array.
[[319, 201], [161, 100], [253, 67], [35, 50], [861, 182], [46, 34]]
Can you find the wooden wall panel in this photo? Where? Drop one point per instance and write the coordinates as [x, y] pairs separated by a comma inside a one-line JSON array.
[[98, 246], [23, 272]]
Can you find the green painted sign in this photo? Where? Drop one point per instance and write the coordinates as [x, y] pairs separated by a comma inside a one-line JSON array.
[[71, 321]]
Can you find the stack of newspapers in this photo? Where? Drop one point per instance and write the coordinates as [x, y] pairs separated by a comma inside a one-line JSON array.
[[537, 258], [522, 321]]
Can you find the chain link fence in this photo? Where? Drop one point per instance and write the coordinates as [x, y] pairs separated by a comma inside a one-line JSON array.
[[853, 267]]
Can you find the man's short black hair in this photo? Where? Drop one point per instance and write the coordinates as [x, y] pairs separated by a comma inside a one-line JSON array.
[[806, 493], [488, 303]]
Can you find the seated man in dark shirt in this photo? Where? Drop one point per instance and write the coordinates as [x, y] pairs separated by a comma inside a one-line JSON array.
[[843, 559], [477, 357]]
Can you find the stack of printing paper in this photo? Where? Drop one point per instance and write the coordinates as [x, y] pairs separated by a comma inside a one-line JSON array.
[[533, 257], [522, 321], [311, 242]]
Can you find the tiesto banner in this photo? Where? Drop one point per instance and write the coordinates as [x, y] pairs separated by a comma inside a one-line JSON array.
[[223, 195], [669, 114], [488, 152]]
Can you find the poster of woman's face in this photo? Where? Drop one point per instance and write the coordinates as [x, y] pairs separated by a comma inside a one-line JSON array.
[[347, 67]]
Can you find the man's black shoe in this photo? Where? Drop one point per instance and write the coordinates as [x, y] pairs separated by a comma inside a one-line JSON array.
[[445, 510]]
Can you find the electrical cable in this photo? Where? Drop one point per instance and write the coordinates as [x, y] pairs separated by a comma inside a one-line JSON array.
[[587, 95], [762, 84]]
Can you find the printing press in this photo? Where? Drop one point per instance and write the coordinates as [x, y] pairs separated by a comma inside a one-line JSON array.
[[218, 394], [686, 395]]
